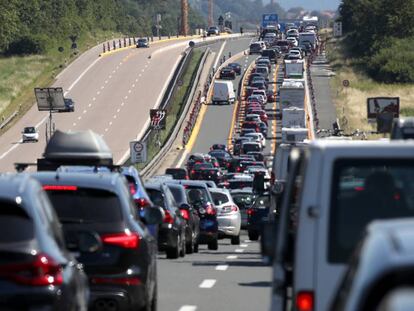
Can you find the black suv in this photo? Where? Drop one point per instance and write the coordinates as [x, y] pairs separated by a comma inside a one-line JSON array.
[[122, 271], [36, 269]]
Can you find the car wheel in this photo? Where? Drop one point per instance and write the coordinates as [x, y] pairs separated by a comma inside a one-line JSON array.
[[213, 245], [253, 235], [189, 246], [183, 249], [235, 240], [195, 249], [173, 252]]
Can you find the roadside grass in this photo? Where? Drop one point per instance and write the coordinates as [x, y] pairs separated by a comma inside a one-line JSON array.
[[178, 101], [351, 101], [19, 75]]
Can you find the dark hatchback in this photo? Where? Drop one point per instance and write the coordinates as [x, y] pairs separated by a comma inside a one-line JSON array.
[[190, 214], [171, 234], [222, 156], [236, 67], [122, 272], [244, 199], [257, 215], [228, 73], [36, 269]]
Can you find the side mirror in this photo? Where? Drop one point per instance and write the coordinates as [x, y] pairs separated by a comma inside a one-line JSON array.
[[153, 215], [268, 241], [89, 242]]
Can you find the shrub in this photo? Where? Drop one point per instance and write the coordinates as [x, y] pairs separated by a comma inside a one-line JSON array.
[[394, 62], [33, 44]]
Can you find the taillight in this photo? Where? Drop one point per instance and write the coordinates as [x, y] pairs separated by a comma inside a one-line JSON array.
[[250, 211], [229, 209], [132, 188], [42, 271], [116, 281], [142, 202], [238, 169], [185, 214], [305, 301], [124, 239], [168, 218], [210, 210], [60, 187], [192, 172]]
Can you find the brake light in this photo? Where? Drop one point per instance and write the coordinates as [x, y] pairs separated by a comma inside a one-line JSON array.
[[185, 214], [250, 211], [192, 172], [359, 188], [42, 271], [132, 188], [238, 169], [60, 187], [168, 218], [210, 210], [305, 301], [124, 240], [117, 281], [141, 202]]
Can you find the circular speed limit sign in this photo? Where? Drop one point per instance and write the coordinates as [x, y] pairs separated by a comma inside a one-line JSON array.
[[138, 147], [345, 83]]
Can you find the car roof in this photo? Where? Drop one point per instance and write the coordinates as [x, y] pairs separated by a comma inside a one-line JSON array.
[[14, 185], [104, 180], [362, 145]]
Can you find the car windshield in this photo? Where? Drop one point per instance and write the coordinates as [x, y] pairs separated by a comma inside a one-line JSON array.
[[240, 184], [243, 199], [29, 130], [13, 216], [219, 198], [364, 191], [86, 205]]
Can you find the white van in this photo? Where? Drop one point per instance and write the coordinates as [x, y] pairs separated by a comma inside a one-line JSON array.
[[223, 92], [333, 190]]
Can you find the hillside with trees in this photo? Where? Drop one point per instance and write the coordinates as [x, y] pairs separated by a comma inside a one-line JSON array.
[[31, 27], [380, 34]]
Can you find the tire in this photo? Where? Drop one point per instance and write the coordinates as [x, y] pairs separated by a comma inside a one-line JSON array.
[[253, 235], [213, 245], [195, 248], [235, 240], [183, 247], [189, 247], [173, 252]]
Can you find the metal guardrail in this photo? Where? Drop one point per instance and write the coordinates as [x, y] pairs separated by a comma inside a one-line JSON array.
[[189, 98], [7, 121]]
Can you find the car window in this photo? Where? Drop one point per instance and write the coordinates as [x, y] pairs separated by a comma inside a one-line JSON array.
[[156, 197], [363, 191], [219, 198], [87, 205], [243, 200], [13, 216], [262, 201], [196, 195]]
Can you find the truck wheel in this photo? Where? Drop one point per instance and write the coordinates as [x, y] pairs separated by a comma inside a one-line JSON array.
[[253, 235], [235, 240], [213, 245]]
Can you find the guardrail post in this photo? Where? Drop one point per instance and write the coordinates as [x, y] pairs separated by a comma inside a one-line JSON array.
[[169, 36], [120, 43], [129, 39], [135, 41], [104, 50], [114, 44], [124, 42]]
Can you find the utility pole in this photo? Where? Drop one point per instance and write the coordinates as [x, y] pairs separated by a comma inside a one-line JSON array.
[[184, 17], [210, 13]]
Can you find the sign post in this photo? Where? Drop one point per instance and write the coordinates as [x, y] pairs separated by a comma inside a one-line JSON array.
[[138, 151]]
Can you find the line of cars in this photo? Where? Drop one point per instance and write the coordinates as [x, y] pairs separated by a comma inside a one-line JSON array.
[[78, 234]]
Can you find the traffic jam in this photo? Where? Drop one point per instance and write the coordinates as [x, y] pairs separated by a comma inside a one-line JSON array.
[[332, 215]]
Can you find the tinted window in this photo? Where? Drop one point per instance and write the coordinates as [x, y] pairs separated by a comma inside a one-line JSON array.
[[243, 200], [240, 184], [86, 205], [178, 194], [176, 173], [219, 198], [251, 147], [15, 223], [156, 197], [196, 195], [364, 191]]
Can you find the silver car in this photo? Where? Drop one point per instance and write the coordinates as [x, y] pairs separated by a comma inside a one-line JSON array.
[[228, 215]]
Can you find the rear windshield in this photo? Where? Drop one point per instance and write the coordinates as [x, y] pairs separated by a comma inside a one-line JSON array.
[[240, 184], [251, 147], [364, 191], [176, 173], [178, 194], [15, 223], [196, 195], [156, 197], [243, 199], [86, 205], [282, 43], [219, 198], [255, 46]]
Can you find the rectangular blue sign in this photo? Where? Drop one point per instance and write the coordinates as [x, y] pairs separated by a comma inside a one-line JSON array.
[[270, 20]]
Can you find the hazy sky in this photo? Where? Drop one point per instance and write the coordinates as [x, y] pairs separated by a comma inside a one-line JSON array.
[[309, 4]]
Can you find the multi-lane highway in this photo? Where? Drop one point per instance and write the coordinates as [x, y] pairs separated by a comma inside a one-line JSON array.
[[113, 95]]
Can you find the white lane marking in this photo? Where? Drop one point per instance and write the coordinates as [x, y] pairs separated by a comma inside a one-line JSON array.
[[84, 111], [102, 87], [90, 105], [183, 157], [126, 97], [222, 267], [188, 308], [110, 77], [79, 117], [118, 110], [239, 250], [157, 103], [117, 67], [94, 98], [209, 283], [81, 75], [136, 80], [139, 75], [219, 54], [246, 241], [110, 123], [99, 92], [129, 91], [113, 71], [142, 70], [133, 85], [243, 245], [74, 124], [122, 103], [106, 81], [232, 257], [115, 116], [106, 130]]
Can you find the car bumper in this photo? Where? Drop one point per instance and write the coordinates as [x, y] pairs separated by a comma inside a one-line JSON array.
[[229, 225], [167, 237], [120, 299]]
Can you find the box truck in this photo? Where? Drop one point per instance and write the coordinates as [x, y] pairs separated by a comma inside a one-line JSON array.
[[292, 93]]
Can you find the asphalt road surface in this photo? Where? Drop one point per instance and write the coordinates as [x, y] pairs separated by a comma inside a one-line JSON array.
[[113, 95]]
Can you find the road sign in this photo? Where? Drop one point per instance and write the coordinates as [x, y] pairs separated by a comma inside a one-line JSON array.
[[50, 99], [345, 83], [270, 20], [138, 151], [383, 105], [337, 30], [158, 118]]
